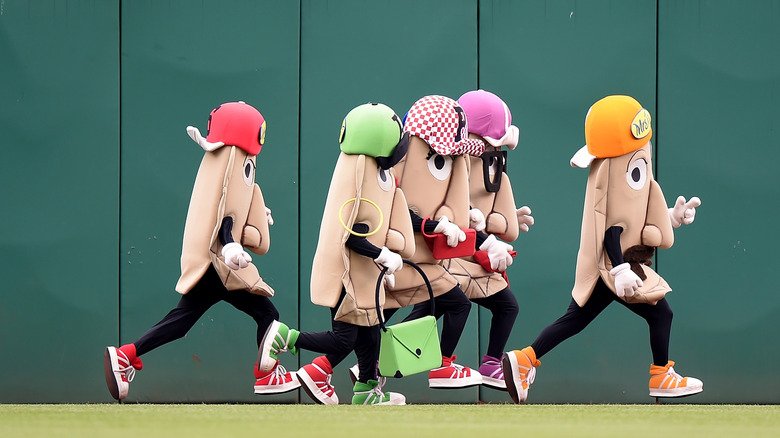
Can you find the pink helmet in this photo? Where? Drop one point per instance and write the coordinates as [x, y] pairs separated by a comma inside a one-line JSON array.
[[490, 118], [237, 124], [440, 121]]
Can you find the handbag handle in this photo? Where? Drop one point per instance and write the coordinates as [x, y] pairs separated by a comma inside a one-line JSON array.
[[422, 229], [379, 284]]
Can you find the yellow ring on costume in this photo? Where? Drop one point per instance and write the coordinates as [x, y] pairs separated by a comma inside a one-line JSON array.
[[371, 233]]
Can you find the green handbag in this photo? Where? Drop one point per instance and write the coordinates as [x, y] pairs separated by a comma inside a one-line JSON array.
[[409, 347]]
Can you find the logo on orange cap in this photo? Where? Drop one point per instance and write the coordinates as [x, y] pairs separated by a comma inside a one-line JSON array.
[[615, 125]]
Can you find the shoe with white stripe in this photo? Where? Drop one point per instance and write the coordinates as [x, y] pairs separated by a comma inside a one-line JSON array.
[[371, 393], [519, 368], [452, 375], [120, 369], [315, 380], [492, 373], [665, 382], [276, 381], [278, 339]]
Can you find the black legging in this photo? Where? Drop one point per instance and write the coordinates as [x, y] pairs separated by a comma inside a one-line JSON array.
[[341, 340], [504, 308], [192, 305], [576, 318]]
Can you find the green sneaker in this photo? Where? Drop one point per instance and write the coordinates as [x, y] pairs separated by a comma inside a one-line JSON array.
[[371, 394], [277, 339]]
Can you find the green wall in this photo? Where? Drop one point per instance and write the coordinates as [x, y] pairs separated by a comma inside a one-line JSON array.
[[97, 173]]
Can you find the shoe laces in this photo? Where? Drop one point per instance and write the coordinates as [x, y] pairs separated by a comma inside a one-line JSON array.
[[531, 375], [280, 371], [375, 395], [674, 374], [328, 386], [280, 344], [128, 371]]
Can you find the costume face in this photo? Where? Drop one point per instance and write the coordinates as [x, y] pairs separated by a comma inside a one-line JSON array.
[[435, 185]]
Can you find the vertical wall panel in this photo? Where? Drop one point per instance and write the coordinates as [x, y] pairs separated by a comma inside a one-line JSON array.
[[181, 59], [549, 61], [59, 172], [717, 102], [393, 52]]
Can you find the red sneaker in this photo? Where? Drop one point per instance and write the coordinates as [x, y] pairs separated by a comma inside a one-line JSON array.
[[120, 365], [276, 381], [315, 380], [452, 375]]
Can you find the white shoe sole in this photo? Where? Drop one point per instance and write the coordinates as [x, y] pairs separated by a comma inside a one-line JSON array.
[[116, 386], [265, 362], [463, 382], [494, 383], [514, 385], [676, 392], [308, 385], [279, 389]]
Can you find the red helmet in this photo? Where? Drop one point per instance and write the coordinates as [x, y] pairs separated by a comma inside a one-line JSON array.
[[237, 124]]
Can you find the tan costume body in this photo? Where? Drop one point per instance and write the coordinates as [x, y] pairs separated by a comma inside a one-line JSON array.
[[222, 189], [336, 267], [431, 197], [609, 201], [500, 219]]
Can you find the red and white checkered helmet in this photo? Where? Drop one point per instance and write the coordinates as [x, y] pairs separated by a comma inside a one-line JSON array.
[[441, 122]]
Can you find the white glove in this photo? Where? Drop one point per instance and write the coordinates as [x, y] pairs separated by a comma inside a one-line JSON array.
[[389, 280], [235, 256], [268, 216], [498, 253], [476, 219], [391, 260], [626, 280], [683, 212], [524, 218], [453, 232]]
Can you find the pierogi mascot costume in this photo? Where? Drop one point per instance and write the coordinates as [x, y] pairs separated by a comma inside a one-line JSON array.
[[226, 214], [365, 227], [624, 219], [493, 211], [434, 178]]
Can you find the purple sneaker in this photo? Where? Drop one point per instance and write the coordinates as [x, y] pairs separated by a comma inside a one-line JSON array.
[[492, 374]]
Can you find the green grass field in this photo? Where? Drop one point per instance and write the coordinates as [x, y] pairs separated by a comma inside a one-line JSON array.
[[450, 421]]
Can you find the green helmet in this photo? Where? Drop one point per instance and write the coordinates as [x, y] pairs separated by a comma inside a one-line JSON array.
[[371, 129]]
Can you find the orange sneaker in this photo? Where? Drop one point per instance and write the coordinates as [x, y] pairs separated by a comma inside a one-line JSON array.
[[519, 372], [665, 382]]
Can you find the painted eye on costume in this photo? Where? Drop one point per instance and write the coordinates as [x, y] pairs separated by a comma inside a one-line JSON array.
[[637, 174], [385, 179], [440, 166], [248, 172]]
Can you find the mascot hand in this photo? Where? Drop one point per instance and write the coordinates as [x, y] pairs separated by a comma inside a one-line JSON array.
[[268, 216], [524, 218], [389, 259], [235, 256], [626, 280], [476, 219], [453, 232], [389, 281], [683, 212], [498, 253]]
